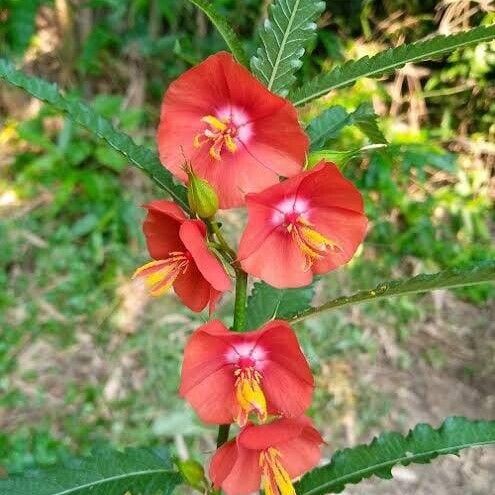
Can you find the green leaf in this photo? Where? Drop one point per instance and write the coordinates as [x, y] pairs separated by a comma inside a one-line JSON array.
[[389, 60], [476, 273], [327, 126], [267, 303], [21, 24], [421, 445], [105, 472], [365, 118], [290, 25], [330, 123], [225, 30], [83, 115]]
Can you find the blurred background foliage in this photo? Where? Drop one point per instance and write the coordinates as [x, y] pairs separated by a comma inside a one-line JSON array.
[[85, 356]]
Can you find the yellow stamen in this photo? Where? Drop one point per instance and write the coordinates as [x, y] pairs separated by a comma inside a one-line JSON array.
[[216, 149], [230, 144], [160, 275], [249, 395], [215, 123], [220, 133], [275, 479], [313, 244]]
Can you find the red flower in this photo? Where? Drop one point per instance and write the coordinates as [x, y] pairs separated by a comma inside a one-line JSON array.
[[182, 258], [239, 136], [306, 225], [227, 375], [267, 456]]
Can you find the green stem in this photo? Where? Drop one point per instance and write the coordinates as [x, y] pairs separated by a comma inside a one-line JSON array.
[[223, 434], [221, 239], [240, 313]]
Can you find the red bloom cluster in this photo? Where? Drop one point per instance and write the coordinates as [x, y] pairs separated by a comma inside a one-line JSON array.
[[226, 377], [239, 141]]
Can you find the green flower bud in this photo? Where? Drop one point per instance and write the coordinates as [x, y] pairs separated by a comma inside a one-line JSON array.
[[193, 473], [202, 198]]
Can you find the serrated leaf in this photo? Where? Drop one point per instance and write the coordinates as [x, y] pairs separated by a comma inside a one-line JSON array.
[[290, 25], [389, 60], [268, 303], [83, 115], [105, 472], [476, 273], [225, 30], [330, 123], [365, 118], [327, 126], [421, 445]]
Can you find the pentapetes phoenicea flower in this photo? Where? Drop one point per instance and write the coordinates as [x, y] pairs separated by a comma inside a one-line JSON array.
[[309, 224], [181, 257], [267, 456], [228, 375], [238, 135]]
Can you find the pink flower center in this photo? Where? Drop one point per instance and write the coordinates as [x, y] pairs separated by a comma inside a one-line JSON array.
[[160, 275], [219, 134]]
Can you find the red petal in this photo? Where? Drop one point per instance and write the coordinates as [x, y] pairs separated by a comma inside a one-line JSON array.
[[222, 462], [204, 354], [196, 93], [344, 227], [287, 378], [301, 454], [207, 381], [193, 235], [326, 187], [261, 437], [278, 261], [193, 289], [245, 476], [161, 228], [213, 398], [279, 338], [234, 176]]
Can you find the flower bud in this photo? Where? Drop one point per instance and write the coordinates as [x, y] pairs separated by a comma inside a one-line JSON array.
[[202, 198], [193, 473]]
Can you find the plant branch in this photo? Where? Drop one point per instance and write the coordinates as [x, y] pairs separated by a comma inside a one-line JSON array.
[[477, 273], [240, 313], [221, 239]]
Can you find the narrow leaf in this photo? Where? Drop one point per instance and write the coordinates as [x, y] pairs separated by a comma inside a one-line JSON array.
[[389, 60], [290, 25], [105, 472], [225, 30], [421, 445], [267, 303], [477, 273], [83, 115], [330, 123]]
